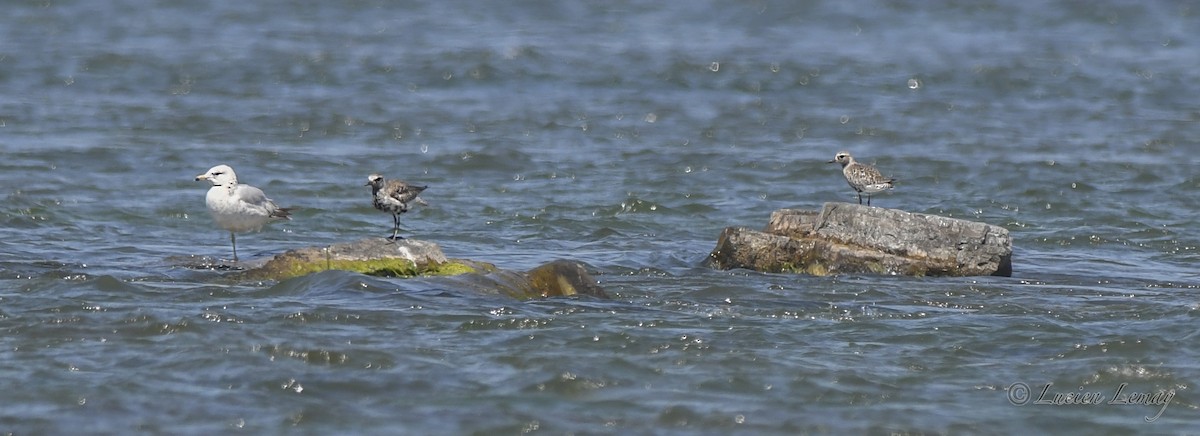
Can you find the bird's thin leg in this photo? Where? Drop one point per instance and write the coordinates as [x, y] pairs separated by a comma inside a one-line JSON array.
[[860, 198], [868, 199], [395, 227], [233, 241]]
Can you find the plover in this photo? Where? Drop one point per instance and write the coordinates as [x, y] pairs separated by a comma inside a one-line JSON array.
[[394, 197], [236, 207], [862, 177]]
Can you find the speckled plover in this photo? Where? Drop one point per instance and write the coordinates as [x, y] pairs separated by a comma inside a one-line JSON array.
[[394, 197], [865, 179]]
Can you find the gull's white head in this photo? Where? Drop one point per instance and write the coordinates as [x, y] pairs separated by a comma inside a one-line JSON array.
[[220, 175]]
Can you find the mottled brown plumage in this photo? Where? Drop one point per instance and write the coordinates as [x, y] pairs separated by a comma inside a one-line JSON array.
[[862, 177], [394, 197]]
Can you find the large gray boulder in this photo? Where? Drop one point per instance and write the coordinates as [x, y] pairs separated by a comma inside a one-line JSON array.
[[852, 238]]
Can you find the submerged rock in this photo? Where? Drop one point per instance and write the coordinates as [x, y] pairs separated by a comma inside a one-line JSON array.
[[413, 258], [563, 277], [852, 238], [553, 279]]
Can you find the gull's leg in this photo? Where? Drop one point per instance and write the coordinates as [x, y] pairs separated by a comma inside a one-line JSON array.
[[233, 241]]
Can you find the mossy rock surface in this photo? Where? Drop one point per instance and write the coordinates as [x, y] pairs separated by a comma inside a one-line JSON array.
[[376, 267], [413, 258], [375, 256]]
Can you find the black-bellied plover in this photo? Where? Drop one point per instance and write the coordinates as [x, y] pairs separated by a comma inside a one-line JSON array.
[[865, 179], [236, 207], [394, 197]]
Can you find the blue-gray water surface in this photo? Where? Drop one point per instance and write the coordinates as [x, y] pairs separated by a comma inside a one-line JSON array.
[[624, 135]]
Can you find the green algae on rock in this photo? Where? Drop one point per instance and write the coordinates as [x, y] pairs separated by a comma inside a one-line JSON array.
[[373, 256], [413, 258]]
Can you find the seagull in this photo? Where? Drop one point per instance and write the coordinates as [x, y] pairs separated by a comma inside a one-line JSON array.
[[236, 207], [394, 197], [862, 177]]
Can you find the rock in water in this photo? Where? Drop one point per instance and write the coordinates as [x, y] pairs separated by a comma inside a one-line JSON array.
[[851, 238], [564, 277], [372, 256], [413, 258]]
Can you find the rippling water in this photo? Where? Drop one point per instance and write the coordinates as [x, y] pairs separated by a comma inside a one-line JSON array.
[[624, 135]]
